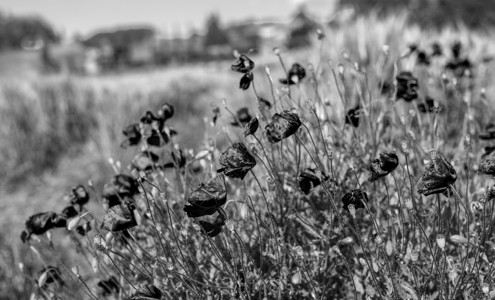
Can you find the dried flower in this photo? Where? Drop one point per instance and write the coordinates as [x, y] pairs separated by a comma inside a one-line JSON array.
[[246, 80], [119, 217], [438, 176], [40, 223], [309, 179], [352, 116], [207, 198], [282, 126], [243, 64], [487, 166], [166, 112], [132, 134], [212, 229], [236, 161], [295, 74], [422, 58], [382, 166], [118, 188], [407, 86], [355, 197], [105, 288], [251, 127], [78, 196], [69, 212], [436, 49]]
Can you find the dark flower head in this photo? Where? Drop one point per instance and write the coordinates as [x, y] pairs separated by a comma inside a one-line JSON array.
[[84, 228], [179, 160], [355, 197], [242, 117], [212, 229], [78, 195], [423, 58], [311, 178], [119, 217], [119, 187], [166, 112], [251, 127], [487, 166], [148, 118], [132, 134], [207, 198], [48, 275], [282, 126], [430, 106], [436, 49], [384, 165], [489, 133], [407, 86], [144, 161], [490, 193], [456, 49], [460, 67], [40, 223], [106, 288], [69, 212], [246, 81], [439, 175], [265, 102], [352, 116], [236, 161], [147, 292], [295, 74], [487, 151], [243, 64]]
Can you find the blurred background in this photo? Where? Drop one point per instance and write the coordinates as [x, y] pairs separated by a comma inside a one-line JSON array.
[[74, 73]]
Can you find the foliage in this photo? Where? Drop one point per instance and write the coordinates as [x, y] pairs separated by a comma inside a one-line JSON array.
[[18, 32]]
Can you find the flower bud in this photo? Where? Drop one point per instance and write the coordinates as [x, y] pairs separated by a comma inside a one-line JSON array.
[[458, 239], [352, 210], [441, 241]]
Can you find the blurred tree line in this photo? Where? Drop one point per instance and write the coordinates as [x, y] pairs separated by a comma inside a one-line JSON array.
[[25, 32], [477, 14]]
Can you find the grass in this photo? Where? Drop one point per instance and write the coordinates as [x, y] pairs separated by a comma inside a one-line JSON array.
[[277, 243]]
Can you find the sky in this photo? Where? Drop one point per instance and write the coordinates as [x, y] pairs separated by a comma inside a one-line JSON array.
[[86, 16]]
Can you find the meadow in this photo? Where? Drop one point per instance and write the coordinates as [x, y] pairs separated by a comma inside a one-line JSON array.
[[291, 201]]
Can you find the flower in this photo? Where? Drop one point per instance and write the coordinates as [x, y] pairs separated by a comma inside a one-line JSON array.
[[69, 212], [236, 161], [456, 49], [145, 160], [430, 106], [132, 134], [243, 64], [282, 126], [311, 178], [460, 67], [355, 197], [436, 49], [487, 151], [352, 116], [147, 292], [438, 176], [105, 288], [407, 86], [267, 104], [40, 223], [48, 275], [422, 58], [251, 127], [207, 198], [489, 133], [487, 165], [295, 74], [119, 187], [246, 80], [78, 196], [382, 166], [166, 112], [84, 228], [242, 117], [119, 217], [212, 229]]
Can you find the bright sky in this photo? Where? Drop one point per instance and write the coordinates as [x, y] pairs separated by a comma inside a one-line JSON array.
[[84, 16]]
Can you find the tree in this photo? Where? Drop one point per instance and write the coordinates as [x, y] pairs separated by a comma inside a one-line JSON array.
[[215, 35], [16, 31]]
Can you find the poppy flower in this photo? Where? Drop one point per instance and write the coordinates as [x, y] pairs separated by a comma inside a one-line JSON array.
[[282, 126], [48, 275], [251, 127], [384, 165], [69, 212], [144, 161], [266, 103], [487, 151], [40, 223], [246, 80], [166, 112], [490, 193], [438, 176], [243, 64], [105, 288], [489, 133], [207, 198], [212, 229], [460, 67], [456, 49], [79, 196], [309, 179], [84, 228], [242, 117], [430, 106], [148, 118], [132, 134], [147, 292], [295, 74], [236, 161], [487, 166], [422, 58], [352, 116], [436, 49], [355, 197], [119, 217], [407, 86], [119, 187]]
